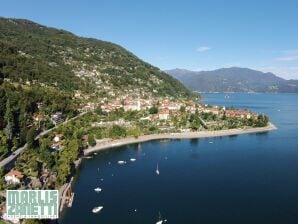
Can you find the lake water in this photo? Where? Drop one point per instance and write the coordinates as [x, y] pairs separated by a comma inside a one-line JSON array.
[[249, 178]]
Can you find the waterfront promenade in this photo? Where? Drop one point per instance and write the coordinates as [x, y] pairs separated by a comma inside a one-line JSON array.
[[185, 135]]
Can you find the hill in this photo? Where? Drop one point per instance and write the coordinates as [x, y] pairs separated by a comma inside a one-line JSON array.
[[48, 76], [33, 53], [234, 80]]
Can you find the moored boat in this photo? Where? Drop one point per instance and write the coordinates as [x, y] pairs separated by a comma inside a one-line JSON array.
[[157, 170], [97, 209], [97, 189]]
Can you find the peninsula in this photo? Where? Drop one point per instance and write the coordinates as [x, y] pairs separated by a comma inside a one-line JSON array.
[[109, 143]]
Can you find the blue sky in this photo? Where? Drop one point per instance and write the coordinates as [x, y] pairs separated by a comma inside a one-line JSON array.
[[196, 35]]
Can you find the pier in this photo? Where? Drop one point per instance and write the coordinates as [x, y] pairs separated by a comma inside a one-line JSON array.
[[66, 196]]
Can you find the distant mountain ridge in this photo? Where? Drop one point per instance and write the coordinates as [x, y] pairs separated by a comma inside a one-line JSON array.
[[234, 79]]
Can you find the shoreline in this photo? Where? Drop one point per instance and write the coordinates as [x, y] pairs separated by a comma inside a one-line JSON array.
[[186, 135], [109, 144]]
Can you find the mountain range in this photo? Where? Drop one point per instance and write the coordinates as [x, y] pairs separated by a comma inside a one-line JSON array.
[[233, 79]]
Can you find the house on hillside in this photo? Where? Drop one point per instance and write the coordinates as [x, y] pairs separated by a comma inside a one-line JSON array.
[[164, 114], [57, 118], [38, 117], [213, 110], [133, 105], [13, 177], [238, 113], [58, 137], [56, 146]]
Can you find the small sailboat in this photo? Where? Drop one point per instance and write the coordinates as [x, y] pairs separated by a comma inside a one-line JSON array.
[[132, 159], [121, 162], [160, 220], [97, 209], [98, 189], [157, 170]]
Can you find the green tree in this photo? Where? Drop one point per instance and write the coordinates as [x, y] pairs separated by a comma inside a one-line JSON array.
[[153, 110], [2, 183], [116, 131], [33, 221], [98, 111], [3, 145], [34, 167], [30, 138], [1, 78], [15, 143], [45, 144], [91, 140], [8, 117], [63, 171], [182, 109], [135, 131], [262, 120]]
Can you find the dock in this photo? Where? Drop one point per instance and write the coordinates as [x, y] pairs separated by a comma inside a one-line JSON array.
[[66, 196]]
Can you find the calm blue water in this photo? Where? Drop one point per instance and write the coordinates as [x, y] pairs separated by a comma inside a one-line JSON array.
[[242, 179]]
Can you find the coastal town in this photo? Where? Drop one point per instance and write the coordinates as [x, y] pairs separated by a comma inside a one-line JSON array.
[[148, 112], [63, 98], [105, 121]]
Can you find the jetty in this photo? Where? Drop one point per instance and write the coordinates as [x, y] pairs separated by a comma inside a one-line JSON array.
[[66, 196]]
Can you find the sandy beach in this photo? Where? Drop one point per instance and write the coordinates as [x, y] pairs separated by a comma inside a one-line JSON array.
[[186, 135]]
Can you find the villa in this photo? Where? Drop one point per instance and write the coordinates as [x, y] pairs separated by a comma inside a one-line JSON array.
[[56, 146], [58, 137], [13, 177], [164, 114], [238, 113]]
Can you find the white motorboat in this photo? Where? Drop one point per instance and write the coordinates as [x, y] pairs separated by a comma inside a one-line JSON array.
[[97, 209], [98, 189], [132, 159], [157, 170], [121, 162], [160, 220]]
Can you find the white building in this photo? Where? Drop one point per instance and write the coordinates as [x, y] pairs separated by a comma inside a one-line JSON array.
[[58, 137], [13, 177], [164, 114], [133, 106]]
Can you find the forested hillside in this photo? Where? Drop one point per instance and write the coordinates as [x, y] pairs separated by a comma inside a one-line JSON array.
[[33, 53], [47, 75]]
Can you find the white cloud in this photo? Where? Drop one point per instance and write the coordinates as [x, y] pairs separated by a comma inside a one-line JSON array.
[[291, 51], [288, 58], [284, 72], [203, 49]]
